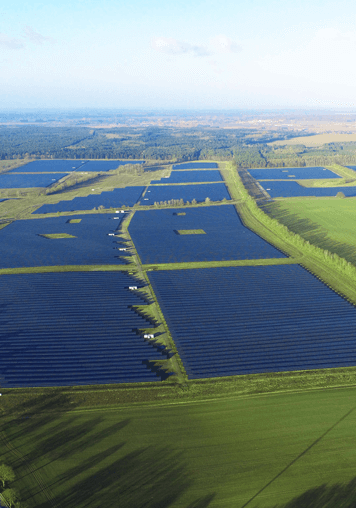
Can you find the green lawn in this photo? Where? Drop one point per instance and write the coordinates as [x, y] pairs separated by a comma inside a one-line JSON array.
[[328, 223], [257, 451]]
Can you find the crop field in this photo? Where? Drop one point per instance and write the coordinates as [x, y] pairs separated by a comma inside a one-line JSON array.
[[106, 165], [23, 243], [26, 181], [49, 166], [328, 224], [292, 189], [241, 320], [155, 234], [296, 173], [213, 191], [127, 196], [70, 329], [191, 176], [195, 165]]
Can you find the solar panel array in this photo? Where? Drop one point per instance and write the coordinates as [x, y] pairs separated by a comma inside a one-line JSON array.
[[213, 191], [293, 189], [296, 173], [25, 181], [127, 196], [191, 176], [21, 245], [49, 166], [241, 320], [196, 165], [63, 329], [56, 165], [155, 238]]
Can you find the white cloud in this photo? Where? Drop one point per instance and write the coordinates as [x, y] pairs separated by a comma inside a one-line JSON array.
[[36, 37], [174, 47], [10, 42], [223, 44]]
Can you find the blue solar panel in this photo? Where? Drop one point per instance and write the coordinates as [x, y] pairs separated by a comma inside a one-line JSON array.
[[49, 166], [191, 176], [241, 320], [226, 238], [111, 199], [21, 245], [293, 189], [213, 191], [63, 329], [25, 181], [196, 165], [295, 173]]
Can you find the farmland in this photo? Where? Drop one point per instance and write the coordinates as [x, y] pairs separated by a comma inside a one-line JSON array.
[[286, 449], [134, 355], [328, 223]]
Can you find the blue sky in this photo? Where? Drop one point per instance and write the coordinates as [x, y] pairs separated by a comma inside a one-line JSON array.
[[201, 54]]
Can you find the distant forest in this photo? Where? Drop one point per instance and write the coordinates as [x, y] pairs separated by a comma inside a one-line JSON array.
[[248, 147]]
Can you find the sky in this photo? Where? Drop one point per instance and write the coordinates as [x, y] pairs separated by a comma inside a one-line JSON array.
[[164, 54]]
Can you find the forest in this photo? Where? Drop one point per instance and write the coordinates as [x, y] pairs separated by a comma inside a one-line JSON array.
[[249, 148]]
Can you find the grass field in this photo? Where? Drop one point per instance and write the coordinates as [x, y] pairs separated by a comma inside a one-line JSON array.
[[328, 223], [290, 450], [317, 139]]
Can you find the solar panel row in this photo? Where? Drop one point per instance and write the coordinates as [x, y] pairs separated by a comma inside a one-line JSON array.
[[293, 189], [240, 320], [191, 176], [72, 328], [226, 238], [127, 196], [21, 243], [213, 191]]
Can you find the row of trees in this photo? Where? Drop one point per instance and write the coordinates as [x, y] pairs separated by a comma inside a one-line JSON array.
[[180, 202], [8, 495]]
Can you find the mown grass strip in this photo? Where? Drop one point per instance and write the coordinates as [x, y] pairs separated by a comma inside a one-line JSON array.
[[67, 268], [212, 264]]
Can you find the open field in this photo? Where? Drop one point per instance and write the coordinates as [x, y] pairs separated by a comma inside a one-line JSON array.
[[328, 223], [196, 455], [317, 139]]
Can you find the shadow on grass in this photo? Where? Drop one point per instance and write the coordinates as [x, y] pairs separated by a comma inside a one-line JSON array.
[[145, 478], [325, 496], [310, 231]]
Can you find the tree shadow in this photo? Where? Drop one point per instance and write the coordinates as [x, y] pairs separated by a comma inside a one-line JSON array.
[[311, 231], [145, 478], [326, 496]]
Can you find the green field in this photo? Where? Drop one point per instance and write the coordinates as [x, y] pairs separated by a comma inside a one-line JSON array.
[[328, 223], [290, 450]]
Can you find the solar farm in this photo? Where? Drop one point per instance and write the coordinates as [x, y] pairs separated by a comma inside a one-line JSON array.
[[218, 320], [201, 320], [292, 182]]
